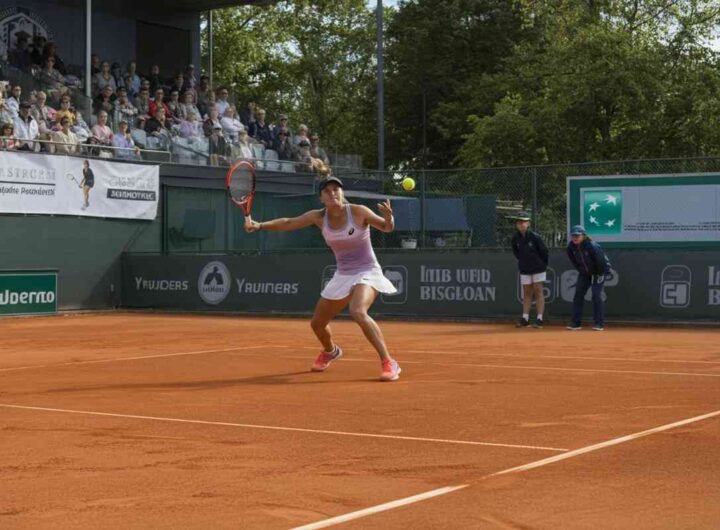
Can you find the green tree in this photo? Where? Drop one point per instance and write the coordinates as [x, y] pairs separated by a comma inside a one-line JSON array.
[[436, 52], [604, 80], [310, 59]]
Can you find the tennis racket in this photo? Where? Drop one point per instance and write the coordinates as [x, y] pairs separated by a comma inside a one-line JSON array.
[[240, 182], [72, 178]]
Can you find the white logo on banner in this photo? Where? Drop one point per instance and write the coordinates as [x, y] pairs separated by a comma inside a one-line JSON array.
[[675, 285], [398, 276], [214, 282], [568, 281], [713, 285]]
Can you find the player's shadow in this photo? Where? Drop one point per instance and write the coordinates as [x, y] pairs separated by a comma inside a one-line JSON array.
[[290, 378]]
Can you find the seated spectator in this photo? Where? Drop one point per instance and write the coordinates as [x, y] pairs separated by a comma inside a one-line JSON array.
[[173, 105], [117, 73], [283, 146], [66, 141], [94, 64], [219, 149], [302, 135], [13, 102], [124, 110], [26, 128], [202, 95], [105, 101], [7, 137], [261, 131], [104, 79], [187, 106], [211, 122], [284, 124], [44, 115], [53, 80], [132, 80], [189, 77], [231, 125], [65, 110], [190, 127], [20, 57], [5, 114], [39, 42], [145, 83], [210, 103], [158, 130], [178, 83], [102, 134], [154, 78], [247, 116], [142, 104], [221, 100], [51, 50], [302, 157], [246, 150], [81, 129], [158, 102], [316, 151], [124, 140]]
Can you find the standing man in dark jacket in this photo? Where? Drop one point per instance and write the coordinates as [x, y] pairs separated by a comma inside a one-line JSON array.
[[532, 256], [593, 266]]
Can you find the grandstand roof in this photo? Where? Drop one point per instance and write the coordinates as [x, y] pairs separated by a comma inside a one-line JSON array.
[[204, 5]]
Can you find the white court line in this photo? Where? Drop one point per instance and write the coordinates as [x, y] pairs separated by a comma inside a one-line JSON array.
[[523, 367], [290, 429], [120, 359], [602, 445], [380, 508], [568, 357], [518, 469]]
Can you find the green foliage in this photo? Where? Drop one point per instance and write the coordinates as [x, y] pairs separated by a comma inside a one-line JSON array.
[[310, 59], [604, 80]]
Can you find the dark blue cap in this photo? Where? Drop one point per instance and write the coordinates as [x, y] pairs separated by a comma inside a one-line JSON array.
[[578, 230]]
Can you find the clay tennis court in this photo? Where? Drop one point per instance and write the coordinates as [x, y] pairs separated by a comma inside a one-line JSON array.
[[153, 421]]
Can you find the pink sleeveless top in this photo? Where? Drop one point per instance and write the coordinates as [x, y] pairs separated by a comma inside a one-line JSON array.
[[351, 245]]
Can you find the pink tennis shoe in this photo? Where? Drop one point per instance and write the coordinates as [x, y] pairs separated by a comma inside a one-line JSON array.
[[390, 370], [325, 359]]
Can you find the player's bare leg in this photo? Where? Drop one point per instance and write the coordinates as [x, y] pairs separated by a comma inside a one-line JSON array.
[[325, 311], [362, 298]]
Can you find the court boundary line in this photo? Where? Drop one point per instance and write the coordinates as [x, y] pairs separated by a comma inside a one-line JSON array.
[[270, 346], [567, 357], [286, 429], [136, 358], [325, 523]]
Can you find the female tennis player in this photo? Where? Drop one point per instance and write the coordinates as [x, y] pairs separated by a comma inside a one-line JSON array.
[[358, 279]]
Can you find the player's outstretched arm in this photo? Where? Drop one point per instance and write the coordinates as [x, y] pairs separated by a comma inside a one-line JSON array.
[[386, 223], [285, 224]]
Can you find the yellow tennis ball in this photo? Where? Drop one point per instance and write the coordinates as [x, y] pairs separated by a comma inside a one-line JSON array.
[[408, 184]]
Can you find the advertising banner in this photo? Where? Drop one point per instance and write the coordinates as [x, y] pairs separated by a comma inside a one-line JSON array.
[[667, 210], [644, 285], [28, 293], [32, 183]]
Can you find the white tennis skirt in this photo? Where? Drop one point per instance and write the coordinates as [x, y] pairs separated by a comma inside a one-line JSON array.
[[340, 285]]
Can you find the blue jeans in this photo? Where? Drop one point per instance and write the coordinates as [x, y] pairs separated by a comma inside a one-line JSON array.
[[585, 282]]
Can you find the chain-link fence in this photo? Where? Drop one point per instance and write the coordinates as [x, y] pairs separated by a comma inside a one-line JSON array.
[[446, 209]]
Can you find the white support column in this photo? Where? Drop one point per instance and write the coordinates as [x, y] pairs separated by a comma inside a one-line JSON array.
[[210, 47]]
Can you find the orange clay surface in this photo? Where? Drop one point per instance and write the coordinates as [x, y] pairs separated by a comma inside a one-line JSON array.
[[520, 395]]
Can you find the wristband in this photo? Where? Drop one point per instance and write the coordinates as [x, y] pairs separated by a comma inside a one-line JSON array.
[[259, 226]]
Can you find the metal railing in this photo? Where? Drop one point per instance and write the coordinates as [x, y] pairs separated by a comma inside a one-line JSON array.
[[89, 150]]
